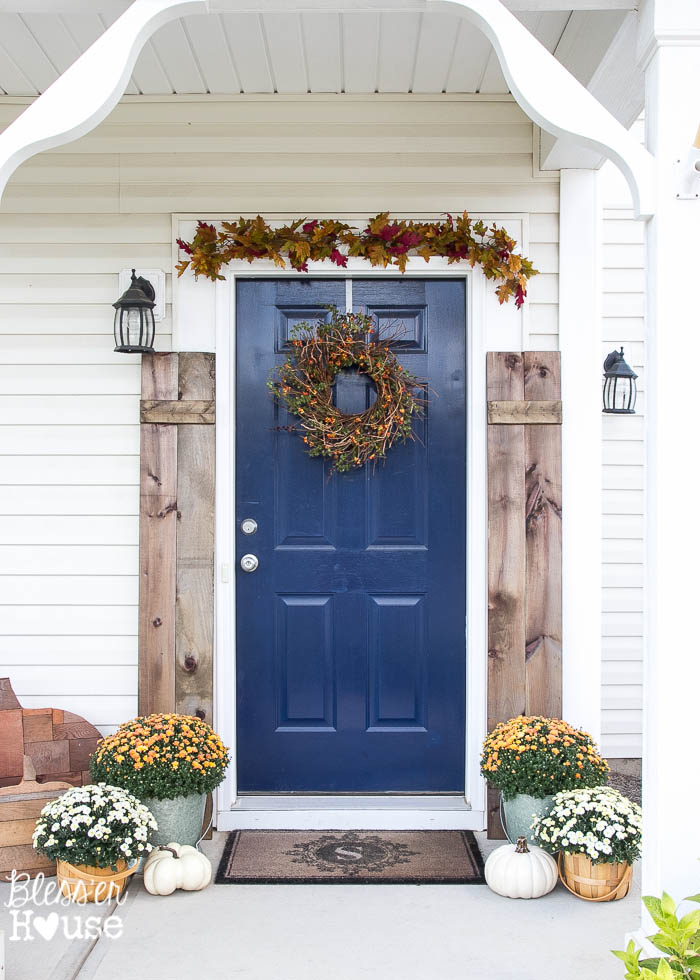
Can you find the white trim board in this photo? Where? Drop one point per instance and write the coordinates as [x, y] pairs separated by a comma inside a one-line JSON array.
[[349, 813], [489, 327]]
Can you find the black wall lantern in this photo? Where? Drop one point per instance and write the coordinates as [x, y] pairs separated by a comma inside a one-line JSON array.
[[620, 385], [134, 325]]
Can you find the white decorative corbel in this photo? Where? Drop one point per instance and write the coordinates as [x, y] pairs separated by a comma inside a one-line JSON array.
[[555, 100], [87, 92]]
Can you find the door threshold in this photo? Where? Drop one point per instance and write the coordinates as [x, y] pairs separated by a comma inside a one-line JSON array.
[[351, 813], [350, 801]]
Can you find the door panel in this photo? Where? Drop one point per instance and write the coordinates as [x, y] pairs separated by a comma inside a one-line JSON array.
[[351, 633]]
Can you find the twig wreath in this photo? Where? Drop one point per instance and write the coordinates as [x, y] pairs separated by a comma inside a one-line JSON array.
[[304, 384], [383, 242]]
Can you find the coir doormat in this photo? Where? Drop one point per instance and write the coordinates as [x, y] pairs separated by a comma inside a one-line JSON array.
[[363, 857]]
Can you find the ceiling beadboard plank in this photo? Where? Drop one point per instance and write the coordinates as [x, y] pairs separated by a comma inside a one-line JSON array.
[[247, 48], [175, 55], [82, 25], [84, 29], [51, 33], [360, 51], [397, 51], [435, 45], [26, 51], [283, 34], [493, 80], [212, 54], [12, 79], [321, 33], [149, 74], [472, 50]]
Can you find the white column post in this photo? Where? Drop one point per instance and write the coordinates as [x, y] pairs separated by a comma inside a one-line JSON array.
[[670, 54], [581, 373]]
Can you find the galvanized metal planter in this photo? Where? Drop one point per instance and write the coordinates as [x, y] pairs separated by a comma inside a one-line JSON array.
[[519, 813], [179, 819]]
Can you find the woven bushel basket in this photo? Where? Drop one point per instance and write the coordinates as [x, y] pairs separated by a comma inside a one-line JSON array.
[[594, 882], [82, 883]]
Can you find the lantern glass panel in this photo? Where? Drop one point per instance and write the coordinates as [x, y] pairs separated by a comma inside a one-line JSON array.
[[134, 328], [619, 394]]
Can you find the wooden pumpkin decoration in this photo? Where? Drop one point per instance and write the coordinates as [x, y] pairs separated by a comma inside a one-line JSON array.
[[58, 742], [519, 871], [174, 866]]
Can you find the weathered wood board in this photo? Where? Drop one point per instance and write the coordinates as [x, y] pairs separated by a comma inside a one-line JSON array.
[[176, 622], [157, 542], [191, 412], [516, 413], [524, 540], [506, 556], [543, 627], [194, 633]]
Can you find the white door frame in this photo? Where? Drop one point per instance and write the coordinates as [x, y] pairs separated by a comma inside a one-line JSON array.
[[338, 812]]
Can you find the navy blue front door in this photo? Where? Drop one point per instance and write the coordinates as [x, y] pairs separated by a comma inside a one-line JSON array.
[[351, 632]]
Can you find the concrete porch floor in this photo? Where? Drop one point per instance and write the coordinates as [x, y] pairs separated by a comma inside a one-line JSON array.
[[353, 932]]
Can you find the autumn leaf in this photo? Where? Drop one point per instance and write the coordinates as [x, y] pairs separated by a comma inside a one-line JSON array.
[[300, 249], [377, 224], [503, 292]]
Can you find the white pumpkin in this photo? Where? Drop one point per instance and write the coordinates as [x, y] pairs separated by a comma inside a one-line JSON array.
[[176, 866], [519, 871]]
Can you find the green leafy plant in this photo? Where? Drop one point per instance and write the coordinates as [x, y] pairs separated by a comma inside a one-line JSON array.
[[540, 756], [599, 822], [161, 756], [384, 241], [304, 384], [97, 825], [678, 939]]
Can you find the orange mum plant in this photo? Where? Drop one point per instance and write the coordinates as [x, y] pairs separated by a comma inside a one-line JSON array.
[[540, 756], [161, 756]]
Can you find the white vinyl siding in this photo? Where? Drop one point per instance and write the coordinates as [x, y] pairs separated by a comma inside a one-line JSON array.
[[623, 307], [543, 307], [73, 218]]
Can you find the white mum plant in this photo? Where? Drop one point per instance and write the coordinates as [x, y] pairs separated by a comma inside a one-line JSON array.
[[599, 822], [96, 825]]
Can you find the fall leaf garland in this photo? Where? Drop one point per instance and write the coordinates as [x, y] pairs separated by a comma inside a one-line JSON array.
[[383, 242], [304, 384]]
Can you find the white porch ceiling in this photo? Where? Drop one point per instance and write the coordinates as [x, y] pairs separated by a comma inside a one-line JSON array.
[[277, 52]]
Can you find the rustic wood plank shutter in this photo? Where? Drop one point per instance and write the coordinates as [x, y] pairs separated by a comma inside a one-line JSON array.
[[524, 532], [176, 589]]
